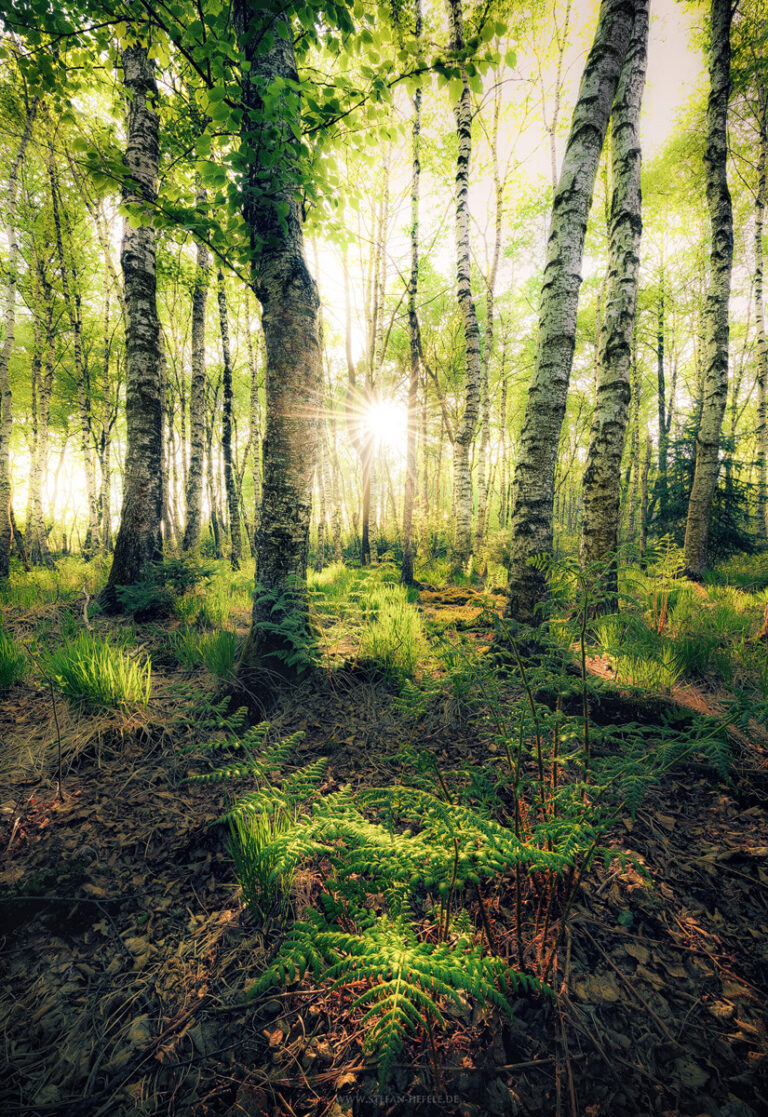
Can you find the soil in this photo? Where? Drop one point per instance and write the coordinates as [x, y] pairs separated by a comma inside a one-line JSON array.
[[127, 953]]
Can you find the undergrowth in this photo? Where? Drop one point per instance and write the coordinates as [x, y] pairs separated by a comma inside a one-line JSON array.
[[91, 671], [13, 662]]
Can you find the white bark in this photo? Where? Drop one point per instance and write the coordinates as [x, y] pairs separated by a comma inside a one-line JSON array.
[[720, 262], [533, 486], [600, 488]]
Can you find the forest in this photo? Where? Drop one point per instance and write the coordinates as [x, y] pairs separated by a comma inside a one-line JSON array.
[[383, 558]]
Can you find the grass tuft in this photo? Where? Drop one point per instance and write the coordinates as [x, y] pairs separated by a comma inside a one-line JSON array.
[[13, 663], [90, 671]]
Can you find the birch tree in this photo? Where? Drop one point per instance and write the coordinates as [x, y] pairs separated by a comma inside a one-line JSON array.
[[197, 394], [465, 428], [600, 488], [715, 389], [413, 332], [533, 485], [290, 306], [139, 538], [9, 325]]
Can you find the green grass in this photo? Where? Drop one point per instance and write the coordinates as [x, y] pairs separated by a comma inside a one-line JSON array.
[[391, 637], [13, 662], [93, 672], [217, 651], [211, 606], [41, 586]]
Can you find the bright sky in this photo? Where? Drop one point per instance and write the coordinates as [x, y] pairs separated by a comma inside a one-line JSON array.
[[675, 71]]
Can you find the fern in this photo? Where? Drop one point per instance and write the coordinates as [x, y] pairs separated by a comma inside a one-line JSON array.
[[407, 978]]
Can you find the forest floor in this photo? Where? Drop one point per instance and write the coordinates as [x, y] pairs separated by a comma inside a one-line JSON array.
[[127, 952]]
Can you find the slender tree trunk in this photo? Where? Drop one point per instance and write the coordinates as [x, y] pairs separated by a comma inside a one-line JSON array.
[[37, 536], [535, 469], [9, 324], [139, 538], [485, 399], [600, 485], [762, 349], [634, 458], [413, 331], [254, 433], [721, 259], [72, 303], [197, 392], [290, 305], [662, 484], [465, 429], [236, 555], [644, 495]]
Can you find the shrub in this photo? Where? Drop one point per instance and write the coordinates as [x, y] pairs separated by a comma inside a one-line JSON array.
[[13, 664], [162, 584], [91, 671]]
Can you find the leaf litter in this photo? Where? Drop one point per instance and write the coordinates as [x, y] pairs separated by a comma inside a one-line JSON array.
[[127, 954]]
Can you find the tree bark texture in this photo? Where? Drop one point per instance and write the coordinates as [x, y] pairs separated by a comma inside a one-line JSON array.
[[235, 536], [600, 486], [290, 306], [9, 324], [721, 259], [413, 334], [465, 428], [197, 389], [533, 487], [139, 538], [762, 349]]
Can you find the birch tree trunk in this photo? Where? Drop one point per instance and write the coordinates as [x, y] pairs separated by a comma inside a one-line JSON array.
[[236, 539], [72, 303], [600, 485], [197, 389], [45, 331], [290, 306], [721, 258], [485, 399], [533, 486], [465, 429], [406, 573], [762, 349], [9, 324], [254, 432], [139, 538]]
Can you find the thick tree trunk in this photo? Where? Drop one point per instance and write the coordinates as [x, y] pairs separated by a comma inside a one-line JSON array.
[[9, 324], [465, 429], [535, 470], [290, 305], [721, 259], [139, 538], [406, 572], [236, 539], [600, 485], [197, 391], [762, 349]]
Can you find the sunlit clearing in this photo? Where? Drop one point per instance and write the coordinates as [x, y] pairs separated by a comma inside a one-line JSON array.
[[387, 422]]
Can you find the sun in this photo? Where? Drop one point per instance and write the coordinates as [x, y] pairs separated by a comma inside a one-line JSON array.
[[387, 422]]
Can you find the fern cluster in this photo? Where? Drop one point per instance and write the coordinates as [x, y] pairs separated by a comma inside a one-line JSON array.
[[385, 856]]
